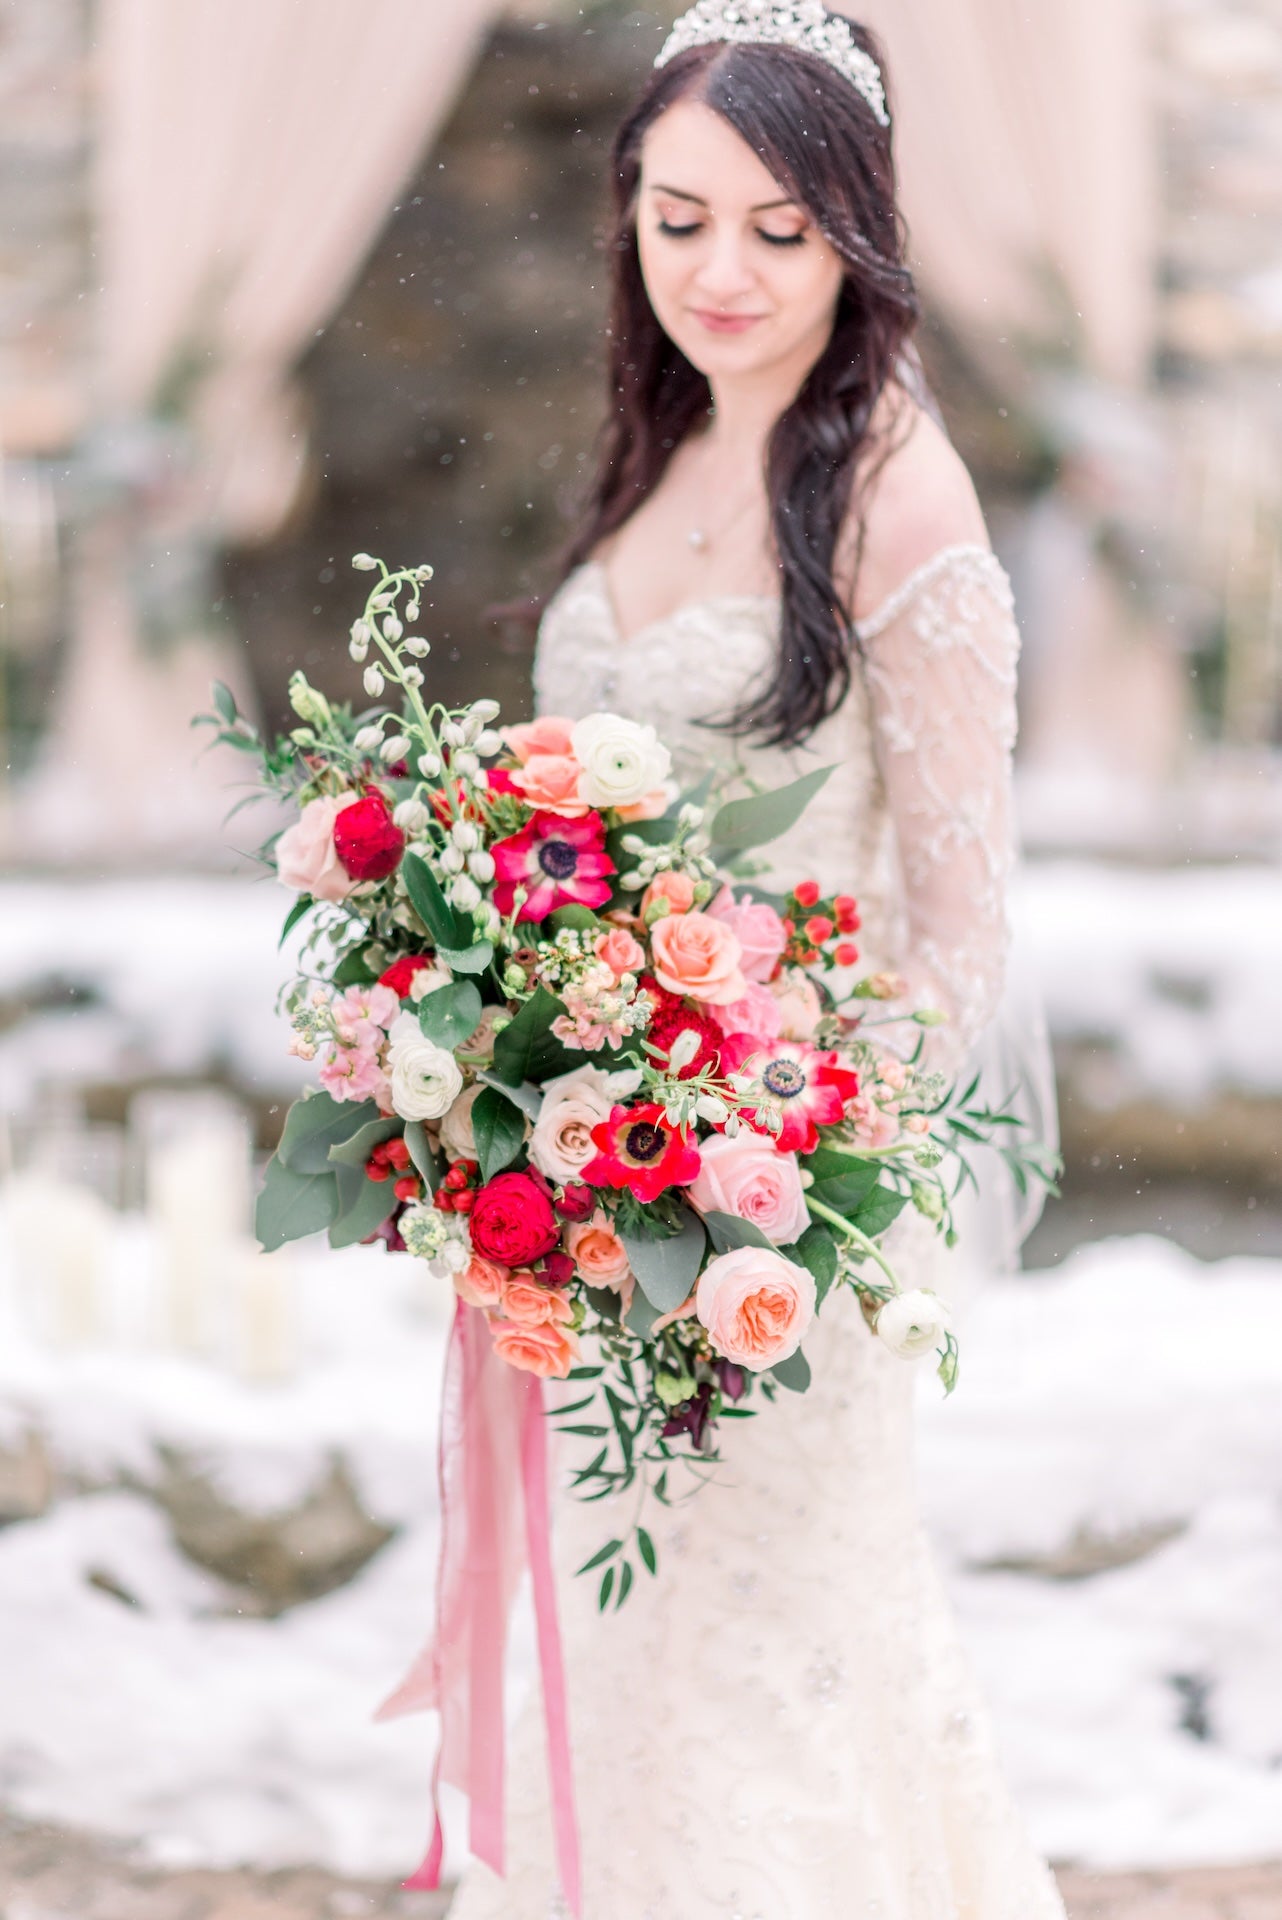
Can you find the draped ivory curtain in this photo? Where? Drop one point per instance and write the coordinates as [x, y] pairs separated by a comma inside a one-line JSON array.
[[247, 155]]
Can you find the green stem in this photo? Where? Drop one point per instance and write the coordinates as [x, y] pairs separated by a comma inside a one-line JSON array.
[[856, 1238]]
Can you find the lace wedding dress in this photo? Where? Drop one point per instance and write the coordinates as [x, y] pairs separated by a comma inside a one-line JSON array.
[[784, 1725]]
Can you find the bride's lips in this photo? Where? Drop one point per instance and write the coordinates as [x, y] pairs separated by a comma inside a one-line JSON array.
[[727, 322]]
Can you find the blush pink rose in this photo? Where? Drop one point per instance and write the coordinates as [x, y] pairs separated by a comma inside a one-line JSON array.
[[799, 1005], [549, 1352], [756, 1306], [573, 1103], [676, 888], [550, 781], [757, 1013], [620, 952], [698, 956], [759, 929], [526, 1304], [750, 1178], [481, 1284], [548, 734], [305, 856], [601, 1256]]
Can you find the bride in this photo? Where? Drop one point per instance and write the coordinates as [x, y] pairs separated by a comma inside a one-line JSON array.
[[783, 565]]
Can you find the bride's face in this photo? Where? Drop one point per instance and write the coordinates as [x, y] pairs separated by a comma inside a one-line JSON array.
[[738, 275]]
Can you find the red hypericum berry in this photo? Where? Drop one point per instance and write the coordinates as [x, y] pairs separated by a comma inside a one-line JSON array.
[[847, 954], [464, 1201], [398, 1154], [845, 906], [807, 894], [473, 1167], [456, 1178], [407, 1187], [819, 930], [443, 1200], [789, 927], [377, 1168], [808, 957]]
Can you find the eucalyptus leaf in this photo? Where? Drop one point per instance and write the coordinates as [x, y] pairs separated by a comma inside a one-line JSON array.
[[448, 1015], [793, 1373], [576, 918], [356, 1151], [528, 1049], [363, 1205], [529, 1099], [292, 1205], [666, 1270], [474, 959], [447, 927], [728, 1231], [499, 1130], [641, 1316], [315, 1124], [354, 970], [422, 1157], [754, 822]]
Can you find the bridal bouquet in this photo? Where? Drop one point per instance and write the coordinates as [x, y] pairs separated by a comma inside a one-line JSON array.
[[644, 1117]]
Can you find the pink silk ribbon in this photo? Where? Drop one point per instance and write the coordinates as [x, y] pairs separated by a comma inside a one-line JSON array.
[[493, 1461]]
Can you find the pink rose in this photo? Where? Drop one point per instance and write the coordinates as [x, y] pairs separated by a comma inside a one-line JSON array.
[[620, 952], [698, 956], [305, 856], [548, 734], [757, 1013], [799, 1004], [676, 888], [551, 781], [573, 1103], [601, 1257], [750, 1178], [756, 1306], [481, 1284], [760, 932], [549, 1352], [526, 1304]]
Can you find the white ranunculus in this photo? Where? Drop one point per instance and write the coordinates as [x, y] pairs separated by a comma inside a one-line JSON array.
[[426, 1080], [915, 1323], [622, 762]]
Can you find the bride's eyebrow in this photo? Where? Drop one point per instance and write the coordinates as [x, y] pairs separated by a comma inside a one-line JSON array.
[[679, 193]]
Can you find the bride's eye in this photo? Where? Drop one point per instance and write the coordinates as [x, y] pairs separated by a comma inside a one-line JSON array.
[[783, 239], [678, 233]]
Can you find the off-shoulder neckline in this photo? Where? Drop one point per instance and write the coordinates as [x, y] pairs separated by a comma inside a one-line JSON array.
[[866, 629]]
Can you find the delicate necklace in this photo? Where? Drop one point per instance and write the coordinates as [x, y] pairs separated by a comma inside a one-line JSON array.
[[700, 539]]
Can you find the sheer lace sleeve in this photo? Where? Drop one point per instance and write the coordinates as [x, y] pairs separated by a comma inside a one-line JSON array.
[[939, 660]]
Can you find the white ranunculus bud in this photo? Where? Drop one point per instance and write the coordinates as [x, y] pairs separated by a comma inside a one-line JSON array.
[[374, 682], [633, 844], [912, 1324], [429, 765], [364, 562], [481, 866], [486, 710], [466, 834], [622, 761], [368, 740], [359, 650], [464, 893], [412, 676], [411, 816], [631, 882], [426, 1080], [452, 860], [392, 628], [417, 646], [394, 748]]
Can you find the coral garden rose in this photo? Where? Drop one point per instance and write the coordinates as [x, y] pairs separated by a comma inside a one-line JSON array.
[[367, 840], [548, 734], [674, 889], [549, 1352], [913, 1324], [756, 1306], [426, 1080], [750, 1178], [481, 1282], [573, 1103], [758, 928], [512, 1220], [598, 1253], [699, 957], [551, 781], [305, 856], [621, 952], [622, 761], [526, 1304]]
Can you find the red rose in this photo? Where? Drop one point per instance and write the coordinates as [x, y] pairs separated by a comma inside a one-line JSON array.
[[513, 1222], [400, 975], [367, 840]]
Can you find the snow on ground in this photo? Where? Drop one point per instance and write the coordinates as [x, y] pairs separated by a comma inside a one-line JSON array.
[[1130, 1390]]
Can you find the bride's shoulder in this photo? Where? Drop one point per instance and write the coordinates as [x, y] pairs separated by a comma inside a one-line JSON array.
[[917, 501]]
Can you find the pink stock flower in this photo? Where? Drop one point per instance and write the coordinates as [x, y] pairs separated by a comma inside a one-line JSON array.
[[559, 862], [353, 1073], [363, 1015], [759, 930]]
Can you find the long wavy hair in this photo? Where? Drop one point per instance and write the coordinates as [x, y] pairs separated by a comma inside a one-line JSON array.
[[822, 143]]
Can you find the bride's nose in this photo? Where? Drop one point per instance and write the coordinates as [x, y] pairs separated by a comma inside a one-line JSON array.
[[725, 272]]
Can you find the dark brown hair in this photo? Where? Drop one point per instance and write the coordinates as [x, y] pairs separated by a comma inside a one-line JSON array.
[[823, 144]]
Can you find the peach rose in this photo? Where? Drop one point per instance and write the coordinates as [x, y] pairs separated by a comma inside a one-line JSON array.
[[756, 1306], [481, 1284], [305, 856], [750, 1178], [601, 1257], [676, 888], [620, 952], [651, 806], [548, 734], [759, 930], [699, 956], [527, 1304], [549, 1352], [799, 1003], [551, 781]]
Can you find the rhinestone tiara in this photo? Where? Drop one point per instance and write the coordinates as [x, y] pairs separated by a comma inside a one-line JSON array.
[[804, 24]]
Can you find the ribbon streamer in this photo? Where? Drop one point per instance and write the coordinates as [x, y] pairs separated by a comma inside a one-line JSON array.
[[493, 1462]]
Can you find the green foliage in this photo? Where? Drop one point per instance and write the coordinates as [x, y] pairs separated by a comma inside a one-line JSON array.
[[473, 959], [317, 1123], [363, 1205], [793, 1373], [446, 926], [451, 1013], [528, 1049], [292, 1204], [667, 1269], [817, 1252], [499, 1128], [577, 918], [356, 1151], [754, 822], [728, 1231], [302, 905], [882, 1207], [354, 970]]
